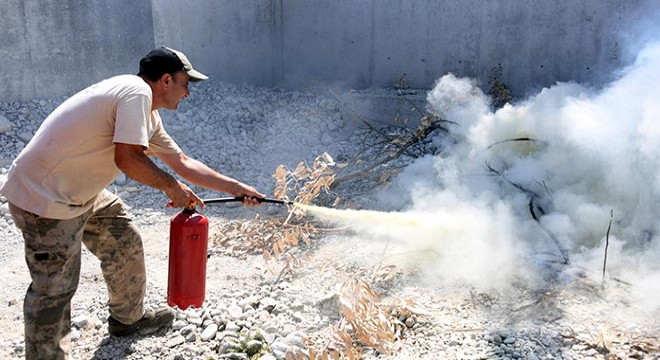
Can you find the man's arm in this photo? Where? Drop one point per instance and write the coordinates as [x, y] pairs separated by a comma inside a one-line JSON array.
[[133, 162], [198, 173]]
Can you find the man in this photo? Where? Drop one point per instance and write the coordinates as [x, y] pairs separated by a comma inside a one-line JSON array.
[[57, 197]]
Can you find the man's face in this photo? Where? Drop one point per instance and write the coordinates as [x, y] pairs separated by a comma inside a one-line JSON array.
[[177, 90]]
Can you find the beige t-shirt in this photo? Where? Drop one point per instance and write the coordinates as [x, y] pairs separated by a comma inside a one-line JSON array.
[[70, 159]]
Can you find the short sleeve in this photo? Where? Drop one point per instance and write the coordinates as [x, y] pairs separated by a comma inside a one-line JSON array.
[[161, 141], [131, 120]]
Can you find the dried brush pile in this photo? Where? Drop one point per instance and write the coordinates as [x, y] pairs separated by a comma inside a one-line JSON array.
[[365, 322]]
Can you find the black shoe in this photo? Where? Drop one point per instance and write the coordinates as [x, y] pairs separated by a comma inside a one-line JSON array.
[[152, 321]]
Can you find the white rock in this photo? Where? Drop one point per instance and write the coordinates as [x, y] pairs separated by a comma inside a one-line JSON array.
[[75, 334], [279, 347], [175, 341], [5, 125], [271, 328], [191, 337], [232, 326], [268, 337], [195, 320], [235, 312], [80, 321], [295, 338], [210, 332], [188, 329], [246, 315], [207, 322], [25, 136], [179, 324]]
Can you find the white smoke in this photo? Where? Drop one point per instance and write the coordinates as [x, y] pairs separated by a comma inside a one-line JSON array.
[[583, 153]]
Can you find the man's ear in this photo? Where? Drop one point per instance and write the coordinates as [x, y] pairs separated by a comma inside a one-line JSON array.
[[166, 79]]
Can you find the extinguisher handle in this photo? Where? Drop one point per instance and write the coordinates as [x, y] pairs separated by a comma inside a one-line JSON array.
[[240, 198]]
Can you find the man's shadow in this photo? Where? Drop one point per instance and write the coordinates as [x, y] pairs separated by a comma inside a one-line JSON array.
[[112, 347]]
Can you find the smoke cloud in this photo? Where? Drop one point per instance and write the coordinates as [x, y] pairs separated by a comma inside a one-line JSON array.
[[580, 154]]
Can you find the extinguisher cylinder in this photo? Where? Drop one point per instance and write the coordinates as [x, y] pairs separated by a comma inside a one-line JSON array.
[[186, 284]]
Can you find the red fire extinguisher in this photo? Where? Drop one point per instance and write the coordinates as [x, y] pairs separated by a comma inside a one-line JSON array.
[[186, 285], [189, 234]]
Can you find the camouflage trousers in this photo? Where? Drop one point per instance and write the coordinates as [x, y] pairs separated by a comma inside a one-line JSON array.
[[53, 256]]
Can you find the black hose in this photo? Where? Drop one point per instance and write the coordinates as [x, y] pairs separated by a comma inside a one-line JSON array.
[[240, 198]]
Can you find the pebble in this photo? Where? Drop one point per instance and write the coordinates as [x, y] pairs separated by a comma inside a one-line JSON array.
[[235, 312], [295, 339], [191, 337], [175, 341], [279, 347], [271, 329], [209, 332], [5, 124], [233, 327], [196, 321], [188, 329], [75, 334], [80, 321], [253, 346], [179, 324]]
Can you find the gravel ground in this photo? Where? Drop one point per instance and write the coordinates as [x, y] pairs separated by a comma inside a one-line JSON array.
[[246, 132]]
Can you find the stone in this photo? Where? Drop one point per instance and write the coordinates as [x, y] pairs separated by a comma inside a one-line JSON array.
[[236, 356], [267, 304], [228, 344], [235, 312], [410, 322], [248, 303], [80, 321], [271, 329], [5, 125], [232, 326], [191, 337], [179, 324], [190, 328], [279, 346], [253, 346], [195, 321], [209, 332], [268, 337], [509, 340], [295, 338], [175, 341], [298, 316]]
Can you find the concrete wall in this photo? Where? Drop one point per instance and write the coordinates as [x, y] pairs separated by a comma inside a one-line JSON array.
[[232, 40], [358, 44], [54, 47]]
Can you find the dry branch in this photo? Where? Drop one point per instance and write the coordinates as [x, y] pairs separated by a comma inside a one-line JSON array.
[[516, 140], [533, 195], [428, 124], [369, 125], [607, 244]]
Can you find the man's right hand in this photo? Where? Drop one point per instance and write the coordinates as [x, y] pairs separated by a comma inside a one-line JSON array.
[[249, 194]]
